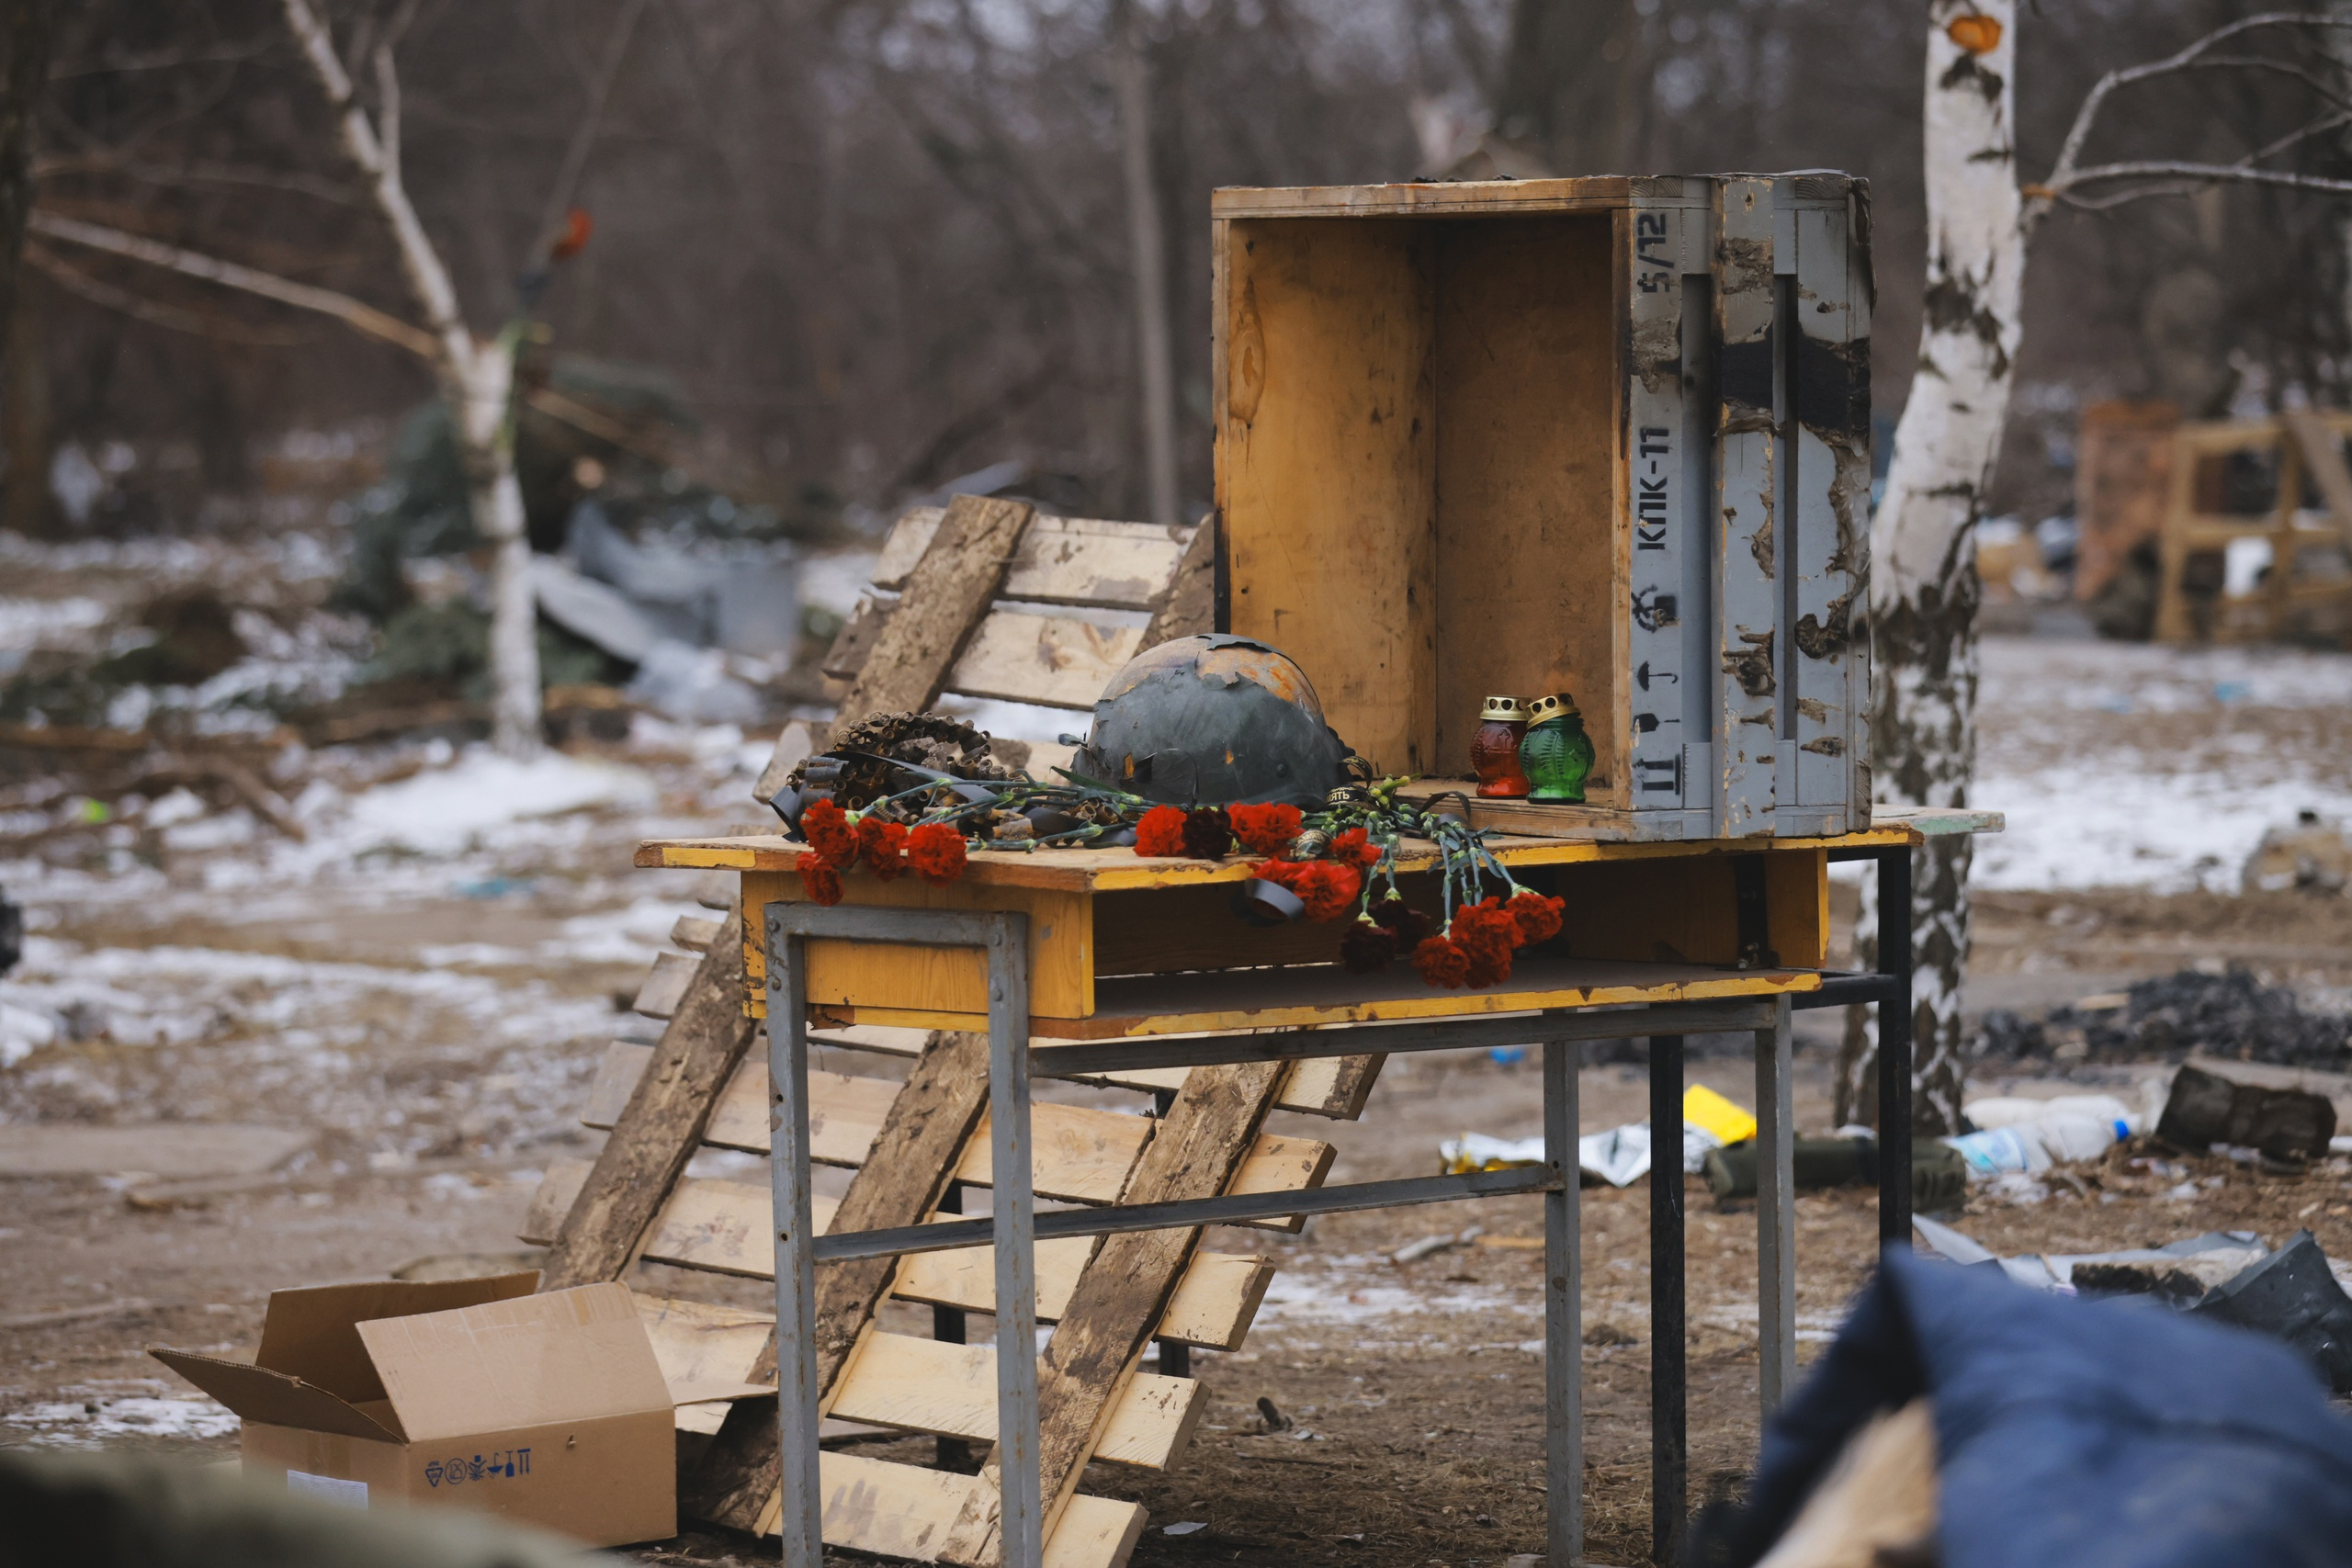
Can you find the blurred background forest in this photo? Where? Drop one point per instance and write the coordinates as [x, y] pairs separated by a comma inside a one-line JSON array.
[[875, 244]]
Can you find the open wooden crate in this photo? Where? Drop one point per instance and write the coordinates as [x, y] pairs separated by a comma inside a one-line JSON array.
[[1609, 436]]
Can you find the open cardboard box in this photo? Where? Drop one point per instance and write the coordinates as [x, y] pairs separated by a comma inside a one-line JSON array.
[[547, 1410]]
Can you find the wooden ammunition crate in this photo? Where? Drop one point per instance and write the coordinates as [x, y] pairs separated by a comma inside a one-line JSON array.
[[1609, 436]]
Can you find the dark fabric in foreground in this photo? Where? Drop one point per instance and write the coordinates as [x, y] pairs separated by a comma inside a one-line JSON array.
[[2110, 1434], [134, 1511]]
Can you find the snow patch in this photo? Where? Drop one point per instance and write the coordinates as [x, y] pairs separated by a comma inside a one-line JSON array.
[[444, 810]]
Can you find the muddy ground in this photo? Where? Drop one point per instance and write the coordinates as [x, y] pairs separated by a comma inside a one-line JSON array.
[[423, 993], [1414, 1391]]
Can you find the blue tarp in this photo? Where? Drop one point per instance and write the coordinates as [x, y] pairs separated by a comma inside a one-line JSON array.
[[2112, 1434]]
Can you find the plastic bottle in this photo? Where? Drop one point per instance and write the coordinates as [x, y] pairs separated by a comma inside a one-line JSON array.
[[2032, 1136], [2000, 1149]]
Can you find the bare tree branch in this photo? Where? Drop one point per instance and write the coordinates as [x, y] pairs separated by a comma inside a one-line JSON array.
[[427, 276], [156, 312], [2063, 175], [583, 135], [294, 181], [358, 315], [2203, 174]]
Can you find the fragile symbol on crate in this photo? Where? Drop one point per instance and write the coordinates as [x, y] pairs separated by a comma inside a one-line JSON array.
[[506, 1463]]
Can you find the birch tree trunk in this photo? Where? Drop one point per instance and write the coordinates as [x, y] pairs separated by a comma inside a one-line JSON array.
[[1924, 588], [476, 381]]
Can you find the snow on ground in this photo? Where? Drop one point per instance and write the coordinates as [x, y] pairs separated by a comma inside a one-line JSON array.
[[2148, 766], [105, 1421], [444, 809]]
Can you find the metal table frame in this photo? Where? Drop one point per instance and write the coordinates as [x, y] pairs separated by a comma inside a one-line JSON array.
[[1014, 1226]]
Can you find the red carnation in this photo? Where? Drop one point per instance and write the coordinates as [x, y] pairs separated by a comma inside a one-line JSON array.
[[1538, 917], [1161, 833], [1488, 933], [818, 880], [1209, 833], [1356, 847], [828, 830], [1409, 923], [1265, 830], [1365, 947], [935, 851], [1327, 889], [1442, 964], [882, 844]]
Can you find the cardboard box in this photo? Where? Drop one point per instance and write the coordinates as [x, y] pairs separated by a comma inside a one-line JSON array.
[[547, 1410]]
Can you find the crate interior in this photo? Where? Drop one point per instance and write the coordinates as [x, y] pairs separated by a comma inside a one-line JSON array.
[[1418, 471]]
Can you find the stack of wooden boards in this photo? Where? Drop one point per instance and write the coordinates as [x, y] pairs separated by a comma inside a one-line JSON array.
[[1087, 1153]]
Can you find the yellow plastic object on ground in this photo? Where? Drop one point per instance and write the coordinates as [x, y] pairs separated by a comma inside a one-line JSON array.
[[1722, 1120]]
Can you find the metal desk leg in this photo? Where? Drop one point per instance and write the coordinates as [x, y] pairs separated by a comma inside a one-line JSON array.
[[1669, 1414], [1895, 1048], [1021, 1522], [1562, 1313], [1776, 1212], [796, 1257]]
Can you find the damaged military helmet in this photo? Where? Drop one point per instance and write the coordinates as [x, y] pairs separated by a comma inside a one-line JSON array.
[[1213, 720]]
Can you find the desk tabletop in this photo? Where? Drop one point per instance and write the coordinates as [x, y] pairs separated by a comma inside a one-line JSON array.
[[1107, 871]]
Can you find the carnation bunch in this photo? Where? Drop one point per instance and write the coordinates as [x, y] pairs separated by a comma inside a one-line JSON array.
[[839, 841]]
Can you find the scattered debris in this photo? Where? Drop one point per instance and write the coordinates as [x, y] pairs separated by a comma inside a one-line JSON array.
[[1620, 1155], [1184, 1527], [1606, 1332], [2206, 1109], [1938, 1173], [2313, 856], [1414, 1251], [2291, 1295], [2230, 1014], [2032, 1136], [1270, 1417]]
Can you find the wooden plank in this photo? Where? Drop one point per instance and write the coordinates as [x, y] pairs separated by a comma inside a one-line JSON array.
[[1431, 198], [927, 1385], [846, 1112], [665, 985], [1214, 1304], [946, 594], [1333, 1087], [1060, 560], [2323, 460], [698, 1343], [661, 1125], [1325, 409], [1526, 441], [900, 1510], [901, 1184], [1023, 656], [1090, 1153], [1083, 1154], [552, 1200], [1054, 661], [694, 933], [1188, 605], [1098, 1344]]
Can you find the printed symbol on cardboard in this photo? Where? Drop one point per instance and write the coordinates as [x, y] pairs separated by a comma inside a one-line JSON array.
[[455, 1472], [433, 1472], [473, 1471]]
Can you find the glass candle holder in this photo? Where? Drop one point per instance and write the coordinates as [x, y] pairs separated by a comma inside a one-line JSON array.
[[1494, 751], [1556, 754]]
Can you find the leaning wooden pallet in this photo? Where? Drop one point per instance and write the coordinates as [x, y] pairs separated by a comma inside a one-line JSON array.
[[914, 1146]]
